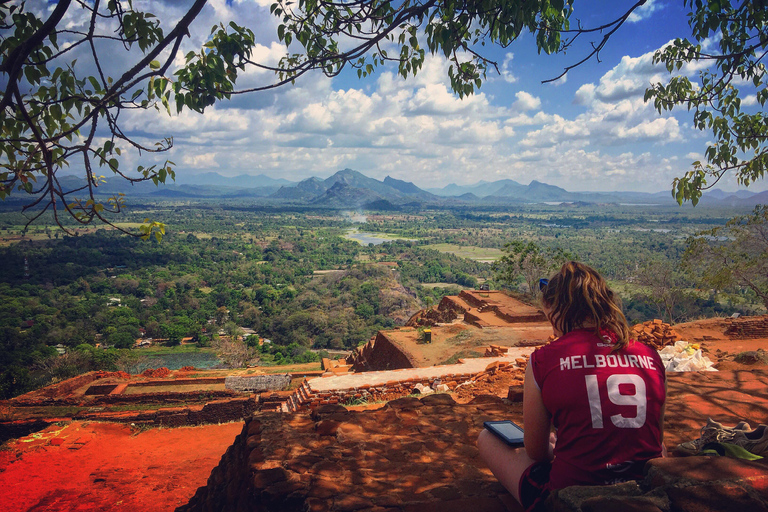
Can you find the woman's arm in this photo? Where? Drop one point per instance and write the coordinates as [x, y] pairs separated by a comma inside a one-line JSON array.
[[536, 420]]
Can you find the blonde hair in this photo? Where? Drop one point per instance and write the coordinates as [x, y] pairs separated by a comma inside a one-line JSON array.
[[577, 295]]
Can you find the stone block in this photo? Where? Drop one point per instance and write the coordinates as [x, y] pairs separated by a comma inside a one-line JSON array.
[[445, 493], [328, 470], [327, 427], [438, 399], [515, 394], [349, 502], [713, 498], [324, 488], [317, 505], [486, 504], [266, 477], [257, 383], [254, 427], [328, 409], [619, 504], [303, 463], [255, 457], [571, 498], [668, 470], [405, 403]]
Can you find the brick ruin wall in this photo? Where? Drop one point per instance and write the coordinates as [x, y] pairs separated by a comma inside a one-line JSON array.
[[66, 387], [533, 317], [473, 319], [179, 382], [258, 383], [228, 486], [447, 311], [164, 397], [380, 353], [471, 299], [256, 475], [306, 398], [748, 328], [222, 411]]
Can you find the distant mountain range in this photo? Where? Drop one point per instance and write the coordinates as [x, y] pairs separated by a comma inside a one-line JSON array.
[[351, 189]]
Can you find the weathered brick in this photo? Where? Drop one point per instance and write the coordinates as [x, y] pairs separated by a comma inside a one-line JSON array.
[[327, 427], [255, 456], [713, 498], [348, 502], [619, 504], [254, 427], [266, 477], [704, 469], [486, 504]]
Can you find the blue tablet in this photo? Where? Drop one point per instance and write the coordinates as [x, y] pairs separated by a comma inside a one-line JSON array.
[[506, 431]]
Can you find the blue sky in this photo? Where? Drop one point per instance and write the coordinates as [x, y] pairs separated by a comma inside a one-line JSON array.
[[588, 131]]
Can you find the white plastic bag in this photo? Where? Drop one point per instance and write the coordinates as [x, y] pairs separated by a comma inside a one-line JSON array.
[[685, 357]]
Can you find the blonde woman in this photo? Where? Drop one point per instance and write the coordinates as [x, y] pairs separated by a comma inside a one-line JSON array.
[[603, 394]]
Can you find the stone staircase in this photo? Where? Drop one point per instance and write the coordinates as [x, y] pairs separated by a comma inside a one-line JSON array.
[[298, 399]]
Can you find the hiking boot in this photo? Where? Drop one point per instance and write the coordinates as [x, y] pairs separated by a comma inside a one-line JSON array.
[[754, 441], [712, 432]]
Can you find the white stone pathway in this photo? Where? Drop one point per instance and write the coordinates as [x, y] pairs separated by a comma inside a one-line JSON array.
[[380, 378]]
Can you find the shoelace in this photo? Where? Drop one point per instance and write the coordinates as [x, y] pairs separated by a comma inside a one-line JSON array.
[[714, 435]]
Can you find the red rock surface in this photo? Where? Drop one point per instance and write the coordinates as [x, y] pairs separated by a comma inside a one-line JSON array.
[[107, 467], [423, 456], [409, 455]]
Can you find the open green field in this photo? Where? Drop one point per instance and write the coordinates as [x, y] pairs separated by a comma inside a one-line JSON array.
[[440, 285], [129, 225], [161, 351], [484, 254]]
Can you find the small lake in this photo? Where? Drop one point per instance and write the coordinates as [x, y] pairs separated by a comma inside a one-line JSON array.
[[655, 230], [201, 360], [373, 238]]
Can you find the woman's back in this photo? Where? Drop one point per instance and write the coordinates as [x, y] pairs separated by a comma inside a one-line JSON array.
[[606, 405]]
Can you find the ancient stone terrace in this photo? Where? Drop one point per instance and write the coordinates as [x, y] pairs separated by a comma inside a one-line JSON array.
[[497, 308], [416, 455], [459, 326], [388, 385], [408, 455], [481, 308]]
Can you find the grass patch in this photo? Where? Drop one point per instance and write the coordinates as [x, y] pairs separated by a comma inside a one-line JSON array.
[[355, 401], [464, 354], [752, 357], [485, 254], [128, 225], [289, 368], [441, 285], [56, 410], [138, 428], [460, 338], [146, 407]]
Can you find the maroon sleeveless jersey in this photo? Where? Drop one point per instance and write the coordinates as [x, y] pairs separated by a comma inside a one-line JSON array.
[[606, 407]]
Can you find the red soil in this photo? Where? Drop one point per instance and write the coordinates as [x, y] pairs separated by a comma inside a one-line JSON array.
[[104, 467]]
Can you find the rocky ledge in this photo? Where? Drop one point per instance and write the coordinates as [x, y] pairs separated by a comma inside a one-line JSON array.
[[419, 455]]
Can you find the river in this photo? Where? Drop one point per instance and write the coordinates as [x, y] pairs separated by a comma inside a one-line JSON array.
[[373, 238]]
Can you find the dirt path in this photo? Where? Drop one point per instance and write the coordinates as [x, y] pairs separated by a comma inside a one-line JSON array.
[[104, 467]]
